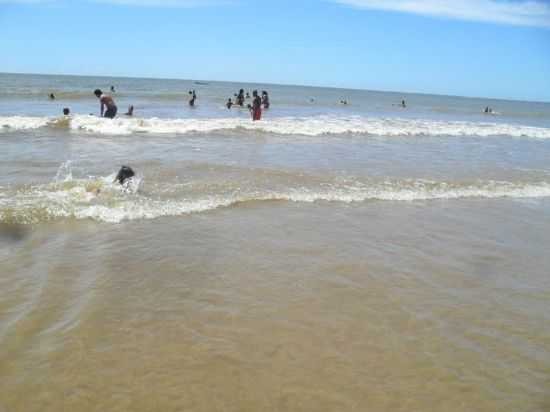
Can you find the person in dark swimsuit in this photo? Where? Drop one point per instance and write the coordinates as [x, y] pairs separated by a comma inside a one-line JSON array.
[[265, 100], [106, 102], [193, 98], [240, 98], [229, 103]]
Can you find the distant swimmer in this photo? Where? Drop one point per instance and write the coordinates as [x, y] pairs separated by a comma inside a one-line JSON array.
[[229, 103], [113, 89], [247, 95], [344, 102], [124, 174], [108, 102], [130, 111], [66, 111], [193, 98], [239, 101], [256, 108], [52, 96], [488, 110], [403, 104], [265, 100]]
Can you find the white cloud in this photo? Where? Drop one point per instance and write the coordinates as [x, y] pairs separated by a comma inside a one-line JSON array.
[[142, 3], [25, 1], [165, 3], [521, 13]]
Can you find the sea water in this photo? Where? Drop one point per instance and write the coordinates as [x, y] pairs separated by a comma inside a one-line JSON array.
[[359, 256]]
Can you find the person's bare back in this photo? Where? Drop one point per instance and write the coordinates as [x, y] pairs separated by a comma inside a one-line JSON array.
[[106, 101]]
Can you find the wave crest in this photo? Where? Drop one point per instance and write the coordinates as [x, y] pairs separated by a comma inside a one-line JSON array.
[[305, 126], [100, 200]]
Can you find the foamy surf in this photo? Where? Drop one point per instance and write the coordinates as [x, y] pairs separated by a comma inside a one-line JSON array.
[[304, 126], [102, 201]]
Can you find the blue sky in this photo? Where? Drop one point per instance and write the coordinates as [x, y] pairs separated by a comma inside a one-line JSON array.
[[485, 48]]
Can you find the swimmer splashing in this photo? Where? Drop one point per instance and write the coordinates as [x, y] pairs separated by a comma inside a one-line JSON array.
[[124, 175]]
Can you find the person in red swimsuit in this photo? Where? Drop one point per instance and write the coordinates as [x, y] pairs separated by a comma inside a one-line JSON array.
[[256, 109]]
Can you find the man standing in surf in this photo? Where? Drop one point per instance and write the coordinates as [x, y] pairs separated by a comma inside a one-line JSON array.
[[106, 101], [256, 108]]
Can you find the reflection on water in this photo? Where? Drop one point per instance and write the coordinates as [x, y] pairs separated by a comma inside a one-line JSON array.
[[12, 232]]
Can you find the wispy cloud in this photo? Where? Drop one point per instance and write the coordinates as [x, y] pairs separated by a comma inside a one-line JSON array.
[[139, 3], [514, 12], [165, 3]]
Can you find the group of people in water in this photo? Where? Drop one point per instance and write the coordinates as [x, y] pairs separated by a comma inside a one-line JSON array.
[[257, 102], [109, 109]]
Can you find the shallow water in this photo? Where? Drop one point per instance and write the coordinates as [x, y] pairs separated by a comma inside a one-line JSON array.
[[327, 258]]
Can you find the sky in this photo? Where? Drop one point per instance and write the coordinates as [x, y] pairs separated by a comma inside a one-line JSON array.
[[481, 48]]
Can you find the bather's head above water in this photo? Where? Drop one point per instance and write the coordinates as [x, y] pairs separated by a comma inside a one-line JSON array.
[[124, 174]]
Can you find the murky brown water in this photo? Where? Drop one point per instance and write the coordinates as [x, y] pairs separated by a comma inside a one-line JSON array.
[[281, 307], [327, 258]]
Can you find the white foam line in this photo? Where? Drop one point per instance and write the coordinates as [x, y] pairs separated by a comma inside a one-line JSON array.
[[22, 122], [79, 204], [306, 126]]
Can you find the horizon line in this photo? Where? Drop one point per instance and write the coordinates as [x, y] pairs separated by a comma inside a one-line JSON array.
[[284, 84]]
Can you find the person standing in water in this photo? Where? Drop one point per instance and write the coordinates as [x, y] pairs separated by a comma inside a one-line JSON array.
[[229, 103], [240, 98], [193, 98], [106, 102], [265, 99], [256, 108]]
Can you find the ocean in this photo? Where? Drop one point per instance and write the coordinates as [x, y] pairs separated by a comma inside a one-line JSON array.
[[330, 257]]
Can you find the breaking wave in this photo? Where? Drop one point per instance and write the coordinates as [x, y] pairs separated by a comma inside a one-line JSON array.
[[101, 200], [305, 126]]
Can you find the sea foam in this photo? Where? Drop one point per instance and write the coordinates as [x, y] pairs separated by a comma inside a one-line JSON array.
[[80, 199], [304, 126]]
